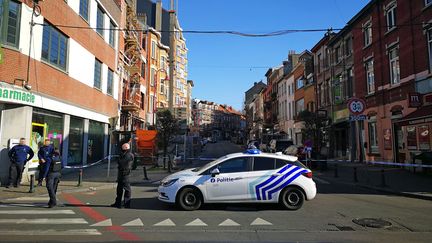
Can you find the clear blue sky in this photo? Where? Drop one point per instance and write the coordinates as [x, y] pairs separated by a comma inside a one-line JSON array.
[[223, 67]]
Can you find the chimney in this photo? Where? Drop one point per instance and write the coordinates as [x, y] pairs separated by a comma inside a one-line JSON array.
[[158, 20]]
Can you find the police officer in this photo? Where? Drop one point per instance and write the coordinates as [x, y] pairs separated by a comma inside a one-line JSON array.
[[45, 155], [19, 155], [53, 178], [123, 177]]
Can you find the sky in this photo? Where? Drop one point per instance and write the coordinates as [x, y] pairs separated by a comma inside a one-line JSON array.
[[223, 67]]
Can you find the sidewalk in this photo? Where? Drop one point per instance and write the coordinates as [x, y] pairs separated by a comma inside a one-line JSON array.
[[94, 178], [394, 180]]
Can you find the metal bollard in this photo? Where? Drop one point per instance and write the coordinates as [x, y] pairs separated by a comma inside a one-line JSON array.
[[336, 175], [355, 174], [383, 183], [80, 177], [145, 173], [32, 181]]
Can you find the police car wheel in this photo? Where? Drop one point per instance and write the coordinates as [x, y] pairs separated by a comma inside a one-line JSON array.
[[292, 198], [189, 199]]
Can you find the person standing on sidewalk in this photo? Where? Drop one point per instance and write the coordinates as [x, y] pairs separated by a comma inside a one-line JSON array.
[[53, 178], [123, 177], [45, 155], [19, 155]]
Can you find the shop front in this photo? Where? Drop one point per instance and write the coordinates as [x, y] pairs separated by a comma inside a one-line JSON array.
[[340, 133], [35, 117]]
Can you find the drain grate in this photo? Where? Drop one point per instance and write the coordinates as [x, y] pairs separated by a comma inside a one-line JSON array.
[[344, 228], [372, 222]]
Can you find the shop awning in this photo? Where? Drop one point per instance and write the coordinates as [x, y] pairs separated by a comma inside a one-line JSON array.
[[421, 115]]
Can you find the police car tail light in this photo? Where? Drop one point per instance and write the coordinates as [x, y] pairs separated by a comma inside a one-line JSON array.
[[308, 174]]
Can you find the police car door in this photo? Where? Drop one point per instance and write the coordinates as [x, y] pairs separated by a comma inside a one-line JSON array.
[[230, 184]]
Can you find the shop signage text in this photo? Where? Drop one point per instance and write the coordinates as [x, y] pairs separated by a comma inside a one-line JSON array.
[[414, 100], [16, 95]]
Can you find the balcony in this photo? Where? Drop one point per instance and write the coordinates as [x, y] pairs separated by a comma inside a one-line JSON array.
[[130, 106]]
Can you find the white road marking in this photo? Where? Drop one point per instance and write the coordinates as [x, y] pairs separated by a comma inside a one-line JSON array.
[[51, 232], [320, 180], [106, 222], [166, 222], [229, 222], [136, 222], [45, 221], [197, 222], [22, 205], [31, 199], [260, 221], [37, 212]]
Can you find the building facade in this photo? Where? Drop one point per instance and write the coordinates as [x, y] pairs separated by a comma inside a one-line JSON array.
[[69, 93]]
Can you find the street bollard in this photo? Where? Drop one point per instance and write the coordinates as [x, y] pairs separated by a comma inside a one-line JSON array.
[[145, 173], [80, 177], [355, 174], [32, 181], [383, 182], [336, 171]]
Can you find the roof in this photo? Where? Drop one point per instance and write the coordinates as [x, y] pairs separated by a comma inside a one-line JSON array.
[[262, 154]]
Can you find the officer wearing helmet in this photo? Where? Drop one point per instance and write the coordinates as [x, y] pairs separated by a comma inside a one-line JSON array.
[[123, 177]]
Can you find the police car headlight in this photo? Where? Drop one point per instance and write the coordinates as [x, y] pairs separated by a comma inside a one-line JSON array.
[[169, 183]]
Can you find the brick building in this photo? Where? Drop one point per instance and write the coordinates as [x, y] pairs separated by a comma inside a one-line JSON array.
[[70, 91]]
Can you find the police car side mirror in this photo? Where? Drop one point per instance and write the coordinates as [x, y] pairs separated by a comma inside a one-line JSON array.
[[214, 172]]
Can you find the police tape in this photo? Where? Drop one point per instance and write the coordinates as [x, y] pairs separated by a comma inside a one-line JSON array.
[[90, 165], [373, 162]]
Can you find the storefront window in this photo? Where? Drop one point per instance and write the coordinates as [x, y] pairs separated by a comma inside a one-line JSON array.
[[424, 137], [95, 142], [373, 135], [411, 138], [46, 124], [76, 131]]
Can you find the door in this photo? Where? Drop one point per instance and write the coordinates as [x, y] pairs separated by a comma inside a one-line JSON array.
[[230, 184], [262, 169]]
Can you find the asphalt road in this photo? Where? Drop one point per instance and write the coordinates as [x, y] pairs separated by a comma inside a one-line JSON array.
[[85, 217]]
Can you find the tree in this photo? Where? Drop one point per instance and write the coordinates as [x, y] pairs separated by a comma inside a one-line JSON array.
[[312, 127], [167, 126]]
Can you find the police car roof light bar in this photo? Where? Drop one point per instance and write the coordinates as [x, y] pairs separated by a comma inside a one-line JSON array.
[[253, 151]]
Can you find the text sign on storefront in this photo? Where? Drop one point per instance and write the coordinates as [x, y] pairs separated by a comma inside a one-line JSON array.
[[13, 95], [414, 100]]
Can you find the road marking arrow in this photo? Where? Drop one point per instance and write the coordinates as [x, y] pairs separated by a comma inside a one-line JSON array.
[[135, 222], [166, 222], [197, 222], [260, 221], [106, 222], [229, 222]]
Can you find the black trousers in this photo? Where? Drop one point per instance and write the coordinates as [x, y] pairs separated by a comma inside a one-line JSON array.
[[52, 182], [123, 185], [15, 173], [41, 170]]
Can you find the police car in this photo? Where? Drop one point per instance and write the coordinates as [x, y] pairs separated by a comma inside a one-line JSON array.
[[251, 176]]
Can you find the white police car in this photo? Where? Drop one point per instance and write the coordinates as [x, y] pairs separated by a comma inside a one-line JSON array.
[[240, 178]]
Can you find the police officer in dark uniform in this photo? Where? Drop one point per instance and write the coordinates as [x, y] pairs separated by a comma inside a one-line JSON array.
[[45, 155], [123, 177], [19, 155], [53, 178]]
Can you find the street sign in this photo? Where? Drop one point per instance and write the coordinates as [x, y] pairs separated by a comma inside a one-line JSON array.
[[357, 117], [356, 106]]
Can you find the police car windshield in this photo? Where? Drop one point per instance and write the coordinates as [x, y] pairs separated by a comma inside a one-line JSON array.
[[208, 165]]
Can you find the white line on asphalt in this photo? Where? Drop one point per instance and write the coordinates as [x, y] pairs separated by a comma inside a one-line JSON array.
[[44, 221], [31, 199], [106, 222], [37, 212], [166, 222], [229, 222], [260, 221], [51, 232], [135, 222], [22, 205], [320, 180], [197, 222]]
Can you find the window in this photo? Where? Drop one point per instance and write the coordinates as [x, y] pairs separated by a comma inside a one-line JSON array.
[[367, 33], [152, 76], [263, 163], [350, 84], [100, 21], [142, 101], [162, 86], [54, 46], [95, 142], [300, 83], [151, 104], [235, 165], [391, 16], [337, 90], [280, 163], [112, 34], [338, 55], [319, 63], [428, 2], [321, 94], [373, 135], [84, 9], [370, 78], [110, 82], [76, 135], [299, 106], [153, 49], [348, 46], [394, 65], [97, 74], [162, 65], [143, 69], [9, 22], [429, 39]]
